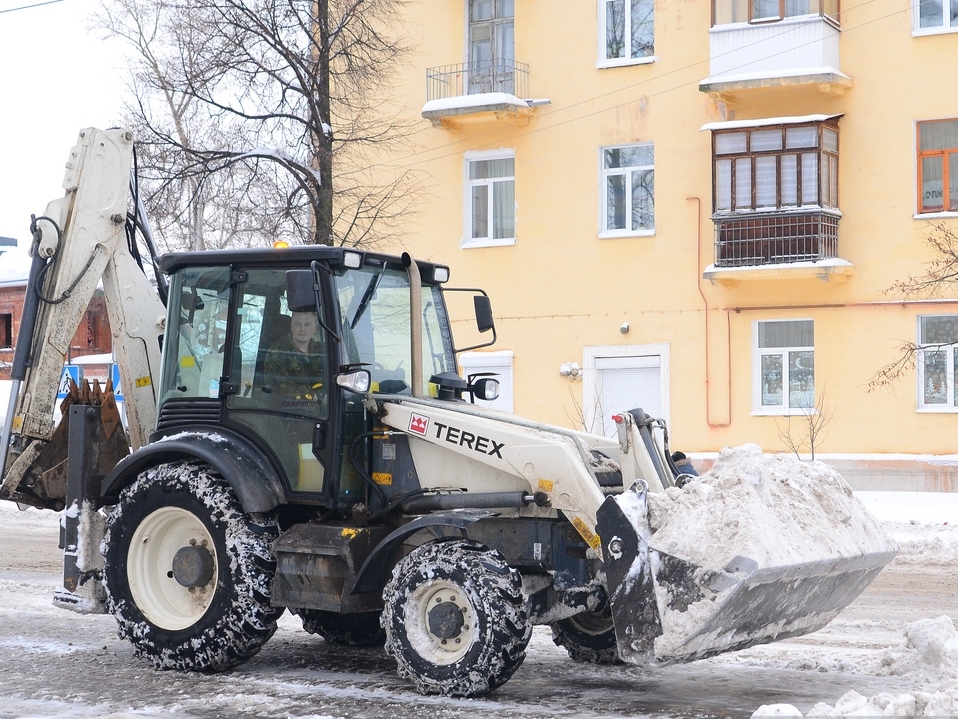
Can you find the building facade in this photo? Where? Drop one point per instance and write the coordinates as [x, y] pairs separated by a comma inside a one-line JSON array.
[[700, 208]]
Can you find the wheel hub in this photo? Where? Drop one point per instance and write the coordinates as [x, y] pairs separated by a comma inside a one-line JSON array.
[[193, 566], [445, 620]]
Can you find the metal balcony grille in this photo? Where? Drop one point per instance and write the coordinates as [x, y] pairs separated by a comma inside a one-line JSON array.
[[767, 239], [447, 81]]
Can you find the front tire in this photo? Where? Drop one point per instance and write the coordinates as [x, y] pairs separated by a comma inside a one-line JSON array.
[[455, 619], [187, 572], [588, 637]]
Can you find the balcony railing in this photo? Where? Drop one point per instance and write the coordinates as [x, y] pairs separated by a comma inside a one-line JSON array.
[[775, 238], [507, 76]]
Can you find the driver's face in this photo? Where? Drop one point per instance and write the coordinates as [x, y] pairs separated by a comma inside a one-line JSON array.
[[302, 327]]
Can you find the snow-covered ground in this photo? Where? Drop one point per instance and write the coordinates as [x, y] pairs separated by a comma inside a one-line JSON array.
[[893, 652]]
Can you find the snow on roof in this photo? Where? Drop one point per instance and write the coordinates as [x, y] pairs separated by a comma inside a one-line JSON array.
[[762, 121], [14, 266]]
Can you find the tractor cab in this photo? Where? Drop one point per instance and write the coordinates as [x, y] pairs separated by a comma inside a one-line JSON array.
[[280, 346]]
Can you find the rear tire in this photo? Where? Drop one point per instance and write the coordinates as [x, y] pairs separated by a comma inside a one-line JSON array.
[[214, 613], [347, 630], [588, 637], [455, 619]]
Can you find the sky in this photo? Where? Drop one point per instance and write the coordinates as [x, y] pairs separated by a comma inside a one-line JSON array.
[[56, 78]]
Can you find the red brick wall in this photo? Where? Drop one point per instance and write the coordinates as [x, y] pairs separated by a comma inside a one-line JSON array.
[[92, 337]]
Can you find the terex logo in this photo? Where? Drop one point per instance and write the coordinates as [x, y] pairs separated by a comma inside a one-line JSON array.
[[476, 443], [418, 424]]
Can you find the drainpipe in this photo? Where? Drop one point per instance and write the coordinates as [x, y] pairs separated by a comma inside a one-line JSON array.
[[728, 331]]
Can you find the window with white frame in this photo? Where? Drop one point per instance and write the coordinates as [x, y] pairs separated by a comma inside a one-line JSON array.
[[490, 199], [935, 15], [626, 30], [628, 190], [937, 339], [784, 366]]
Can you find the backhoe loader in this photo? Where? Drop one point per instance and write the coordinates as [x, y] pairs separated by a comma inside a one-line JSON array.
[[374, 498]]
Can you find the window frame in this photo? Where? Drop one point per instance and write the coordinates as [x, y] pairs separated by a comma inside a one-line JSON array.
[[946, 6], [825, 198], [950, 406], [830, 15], [946, 181], [471, 156], [784, 409], [6, 330], [603, 61], [605, 173]]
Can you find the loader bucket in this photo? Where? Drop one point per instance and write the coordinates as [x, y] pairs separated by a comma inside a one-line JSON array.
[[669, 608]]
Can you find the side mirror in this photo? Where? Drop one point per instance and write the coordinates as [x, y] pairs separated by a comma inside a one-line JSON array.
[[484, 320], [300, 292]]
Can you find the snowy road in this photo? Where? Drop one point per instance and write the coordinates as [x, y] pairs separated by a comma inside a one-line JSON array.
[[54, 663]]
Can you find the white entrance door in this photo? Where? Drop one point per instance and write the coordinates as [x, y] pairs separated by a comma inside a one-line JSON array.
[[621, 378]]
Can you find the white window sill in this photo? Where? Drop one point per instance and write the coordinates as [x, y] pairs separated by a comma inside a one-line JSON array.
[[615, 234], [781, 412], [937, 409], [934, 31], [934, 215], [626, 62], [477, 243]]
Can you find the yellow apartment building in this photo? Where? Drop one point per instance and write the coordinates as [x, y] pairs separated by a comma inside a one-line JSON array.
[[697, 207]]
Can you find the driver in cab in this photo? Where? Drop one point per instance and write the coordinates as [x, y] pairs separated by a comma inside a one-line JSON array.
[[296, 365]]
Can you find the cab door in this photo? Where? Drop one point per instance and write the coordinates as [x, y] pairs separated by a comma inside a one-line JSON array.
[[294, 418]]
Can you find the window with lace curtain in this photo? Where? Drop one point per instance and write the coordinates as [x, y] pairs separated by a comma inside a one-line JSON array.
[[784, 372], [490, 203]]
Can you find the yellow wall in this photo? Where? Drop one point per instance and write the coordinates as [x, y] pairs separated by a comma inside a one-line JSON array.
[[560, 288]]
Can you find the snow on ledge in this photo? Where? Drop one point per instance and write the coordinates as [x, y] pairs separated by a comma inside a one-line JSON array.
[[463, 102]]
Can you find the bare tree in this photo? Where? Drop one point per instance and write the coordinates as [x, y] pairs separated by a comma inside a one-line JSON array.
[[256, 119], [940, 278], [806, 430]]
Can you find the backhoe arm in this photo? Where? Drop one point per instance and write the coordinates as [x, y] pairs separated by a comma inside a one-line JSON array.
[[78, 244]]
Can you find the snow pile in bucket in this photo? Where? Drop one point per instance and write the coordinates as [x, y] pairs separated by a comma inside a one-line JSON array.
[[771, 509]]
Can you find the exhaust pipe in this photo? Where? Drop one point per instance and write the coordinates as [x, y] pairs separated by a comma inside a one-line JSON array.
[[415, 323]]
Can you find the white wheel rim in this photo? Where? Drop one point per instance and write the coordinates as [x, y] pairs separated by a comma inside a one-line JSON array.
[[429, 646], [149, 568]]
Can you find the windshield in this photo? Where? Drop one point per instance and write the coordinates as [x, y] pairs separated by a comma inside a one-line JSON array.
[[374, 303]]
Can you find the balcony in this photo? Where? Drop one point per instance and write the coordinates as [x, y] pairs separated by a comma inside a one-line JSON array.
[[779, 245], [795, 51], [483, 92]]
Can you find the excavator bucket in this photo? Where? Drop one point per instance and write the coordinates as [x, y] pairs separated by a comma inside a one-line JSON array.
[[729, 562]]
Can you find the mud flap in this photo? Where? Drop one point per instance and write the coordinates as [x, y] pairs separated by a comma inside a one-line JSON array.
[[667, 610]]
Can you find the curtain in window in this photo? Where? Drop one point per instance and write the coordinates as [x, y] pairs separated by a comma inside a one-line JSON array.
[[786, 333], [504, 209]]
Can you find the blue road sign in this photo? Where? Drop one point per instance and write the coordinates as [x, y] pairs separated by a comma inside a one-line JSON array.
[[70, 371], [115, 376]]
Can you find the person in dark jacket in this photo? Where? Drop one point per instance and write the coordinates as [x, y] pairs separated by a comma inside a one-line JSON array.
[[296, 365]]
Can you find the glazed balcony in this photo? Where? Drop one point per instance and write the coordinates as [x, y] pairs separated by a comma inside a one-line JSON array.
[[777, 49]]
